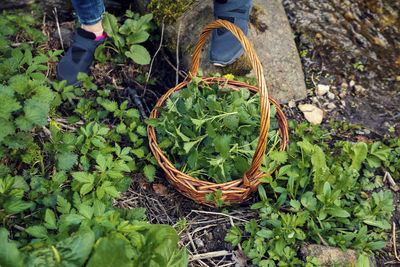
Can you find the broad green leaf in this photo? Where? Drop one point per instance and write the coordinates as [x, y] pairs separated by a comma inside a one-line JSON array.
[[20, 84], [149, 171], [110, 252], [279, 156], [295, 204], [63, 205], [138, 54], [241, 164], [231, 122], [77, 248], [44, 93], [265, 233], [24, 124], [50, 219], [14, 205], [98, 143], [327, 189], [360, 151], [381, 224], [110, 25], [83, 177], [234, 236], [362, 261], [309, 201], [7, 128], [66, 161], [112, 191], [141, 130], [139, 152], [377, 245], [187, 146], [101, 161], [37, 231], [98, 208], [222, 144], [72, 218], [36, 111], [86, 211], [110, 106], [337, 212], [9, 105], [9, 253], [137, 37], [86, 188]]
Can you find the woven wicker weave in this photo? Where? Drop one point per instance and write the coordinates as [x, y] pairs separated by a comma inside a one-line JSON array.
[[236, 191]]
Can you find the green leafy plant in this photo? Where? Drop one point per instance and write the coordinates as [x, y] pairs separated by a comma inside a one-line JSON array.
[[359, 66], [211, 131], [65, 154], [126, 38], [327, 195]]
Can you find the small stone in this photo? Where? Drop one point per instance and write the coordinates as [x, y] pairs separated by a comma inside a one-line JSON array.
[[322, 89], [386, 124], [344, 85], [352, 83], [199, 243], [367, 132], [292, 104], [312, 113], [343, 103], [342, 94], [359, 89], [331, 106], [331, 95], [315, 100]]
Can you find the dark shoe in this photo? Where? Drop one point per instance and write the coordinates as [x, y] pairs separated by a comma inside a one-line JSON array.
[[79, 56], [225, 47]]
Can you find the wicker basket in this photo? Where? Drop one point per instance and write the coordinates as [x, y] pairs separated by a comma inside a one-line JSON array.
[[236, 191]]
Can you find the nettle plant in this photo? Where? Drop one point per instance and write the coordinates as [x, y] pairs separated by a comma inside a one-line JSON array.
[[65, 154], [320, 194], [126, 38], [211, 131]]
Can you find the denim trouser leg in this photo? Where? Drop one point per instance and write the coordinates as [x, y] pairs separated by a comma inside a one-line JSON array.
[[89, 12]]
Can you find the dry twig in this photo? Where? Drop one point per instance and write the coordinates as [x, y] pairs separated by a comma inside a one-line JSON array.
[[394, 241], [155, 54], [58, 27]]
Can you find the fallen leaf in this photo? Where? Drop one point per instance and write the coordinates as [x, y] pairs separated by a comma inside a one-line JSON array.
[[160, 189], [361, 138]]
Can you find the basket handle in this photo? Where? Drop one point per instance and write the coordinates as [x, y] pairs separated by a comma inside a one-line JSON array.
[[264, 101]]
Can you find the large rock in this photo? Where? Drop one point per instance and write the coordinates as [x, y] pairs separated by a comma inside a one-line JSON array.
[[329, 256], [269, 33]]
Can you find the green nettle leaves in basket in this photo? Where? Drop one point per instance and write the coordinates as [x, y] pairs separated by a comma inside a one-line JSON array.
[[210, 132], [125, 39]]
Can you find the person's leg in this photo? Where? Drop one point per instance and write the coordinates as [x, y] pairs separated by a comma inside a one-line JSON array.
[[80, 55], [90, 14], [225, 48]]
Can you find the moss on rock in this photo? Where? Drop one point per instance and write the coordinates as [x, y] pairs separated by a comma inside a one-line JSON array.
[[241, 67], [256, 11], [168, 11]]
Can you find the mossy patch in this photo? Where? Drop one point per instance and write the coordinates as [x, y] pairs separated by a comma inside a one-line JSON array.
[[254, 19], [168, 11], [240, 67]]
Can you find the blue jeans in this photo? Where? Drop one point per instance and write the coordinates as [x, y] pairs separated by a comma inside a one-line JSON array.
[[89, 12]]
